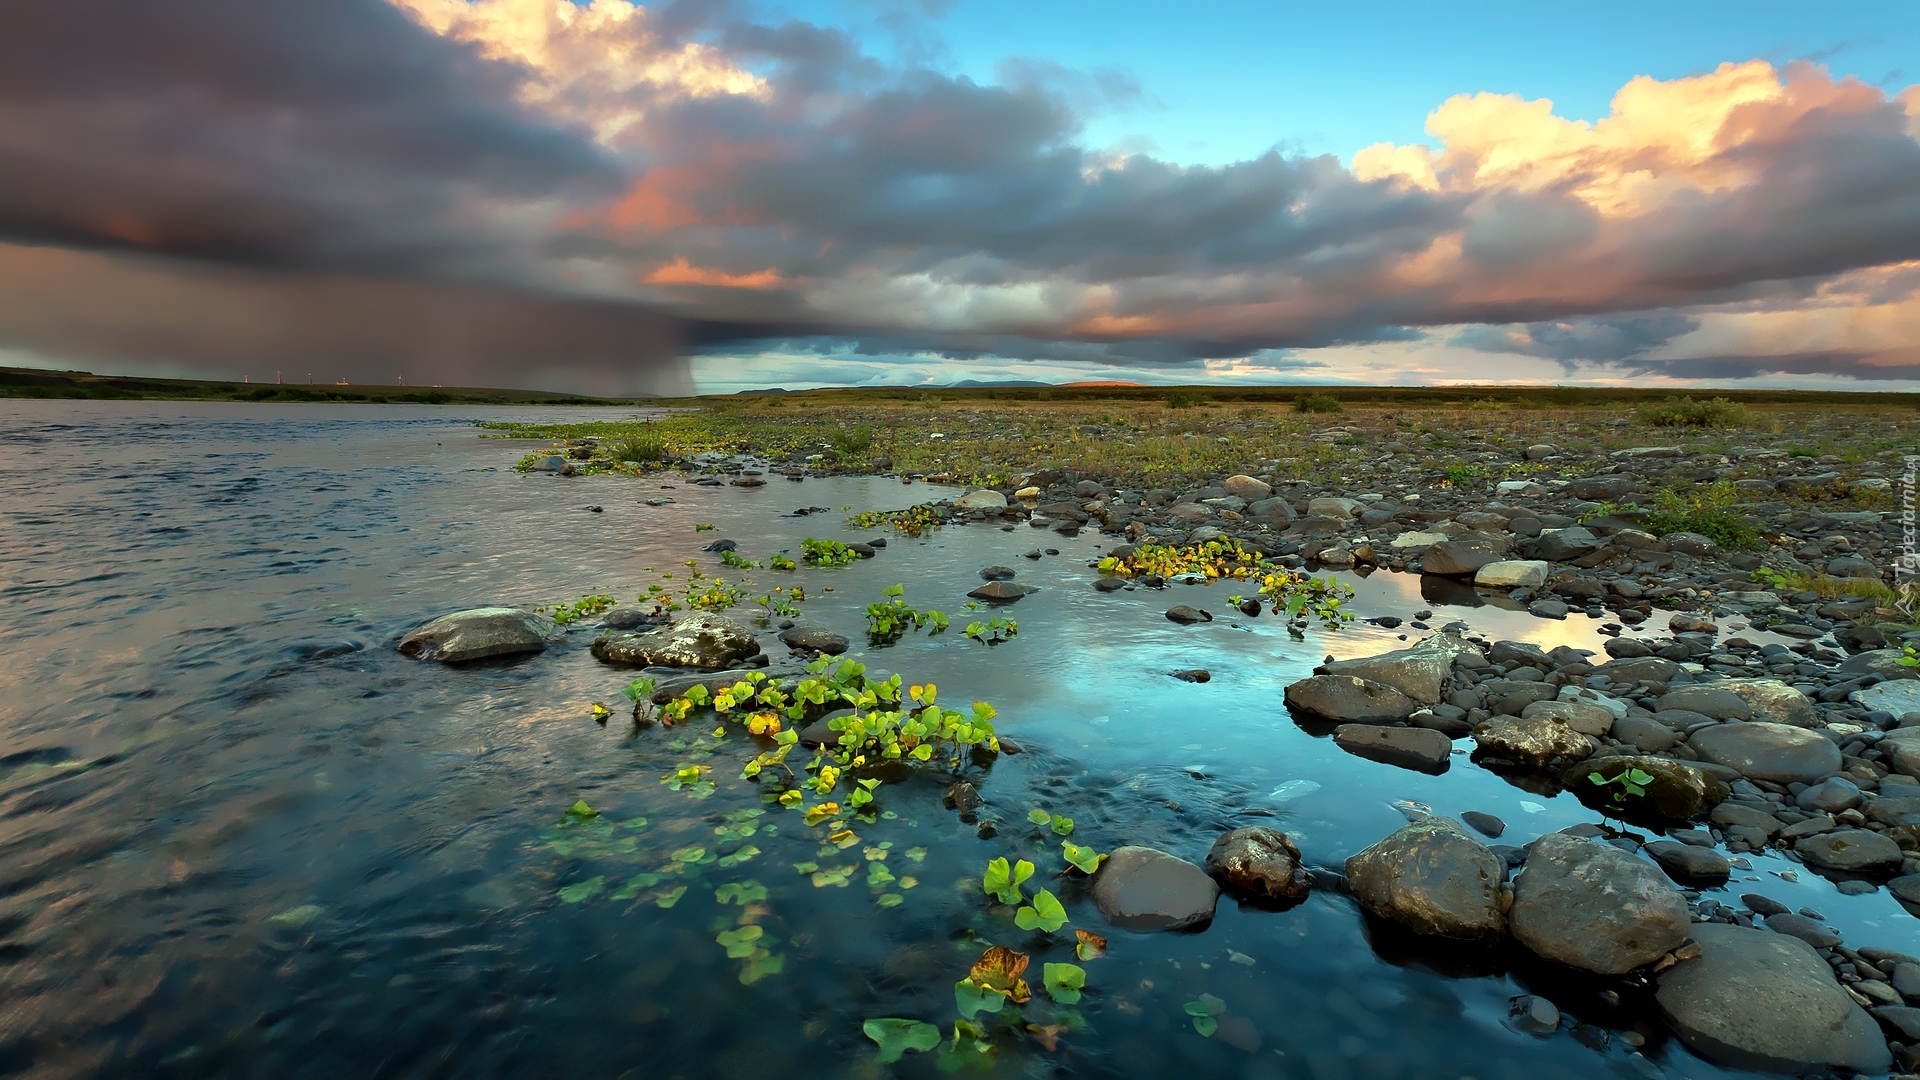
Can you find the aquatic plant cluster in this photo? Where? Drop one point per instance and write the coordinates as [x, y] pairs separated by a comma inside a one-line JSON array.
[[1291, 592]]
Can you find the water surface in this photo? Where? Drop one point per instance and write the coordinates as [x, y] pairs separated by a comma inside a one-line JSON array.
[[242, 836]]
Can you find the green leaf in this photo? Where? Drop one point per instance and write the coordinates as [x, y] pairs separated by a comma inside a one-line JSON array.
[[1003, 882], [1064, 982], [573, 894], [1206, 1025], [578, 812], [739, 943], [896, 1036], [1084, 859], [970, 998], [1062, 826], [1045, 914], [1039, 817], [1638, 777]]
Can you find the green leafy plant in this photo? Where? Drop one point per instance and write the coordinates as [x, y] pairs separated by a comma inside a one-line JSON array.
[[644, 448], [1184, 399], [916, 520], [1316, 403], [735, 559], [1045, 913], [1460, 476], [1003, 882], [578, 812], [1060, 824], [994, 631], [1084, 859], [890, 618], [1629, 782], [1712, 512], [1064, 982], [827, 553], [857, 440], [896, 1037], [1684, 412], [703, 527], [584, 608], [1203, 1013], [715, 595], [780, 562]]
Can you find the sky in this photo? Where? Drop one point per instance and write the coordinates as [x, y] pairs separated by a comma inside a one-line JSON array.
[[710, 195]]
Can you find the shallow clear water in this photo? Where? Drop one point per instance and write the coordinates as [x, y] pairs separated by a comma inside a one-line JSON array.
[[240, 835]]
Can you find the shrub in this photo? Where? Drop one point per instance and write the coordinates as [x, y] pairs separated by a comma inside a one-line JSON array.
[[853, 440], [1709, 511], [1316, 403], [1682, 412], [645, 448]]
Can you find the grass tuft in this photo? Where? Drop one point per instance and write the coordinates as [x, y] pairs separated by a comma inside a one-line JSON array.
[[1684, 412], [1316, 403], [1711, 511]]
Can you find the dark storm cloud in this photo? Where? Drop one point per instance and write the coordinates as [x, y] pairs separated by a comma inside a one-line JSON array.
[[1841, 363], [113, 309], [1578, 340]]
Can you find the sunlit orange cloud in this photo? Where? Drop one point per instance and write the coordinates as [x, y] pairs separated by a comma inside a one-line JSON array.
[[682, 272]]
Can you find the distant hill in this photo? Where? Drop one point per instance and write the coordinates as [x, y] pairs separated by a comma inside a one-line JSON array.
[[37, 383]]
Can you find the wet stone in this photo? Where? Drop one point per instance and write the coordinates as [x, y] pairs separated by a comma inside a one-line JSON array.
[[1689, 865], [1807, 930], [1432, 878], [1849, 850], [999, 592], [480, 633], [1259, 863], [1420, 749], [1591, 906], [1484, 824], [1349, 699], [1760, 1000], [1139, 888]]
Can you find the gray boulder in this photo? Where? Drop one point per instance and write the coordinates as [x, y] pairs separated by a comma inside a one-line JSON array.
[[1902, 749], [1688, 864], [1583, 718], [1856, 851], [1591, 906], [981, 499], [1139, 888], [1640, 669], [1261, 863], [1760, 1000], [1761, 751], [1899, 697], [1432, 878], [1773, 701], [1566, 545], [1271, 511], [1419, 672], [1707, 701], [478, 633], [1457, 558], [701, 640], [1348, 699], [1421, 749], [815, 639]]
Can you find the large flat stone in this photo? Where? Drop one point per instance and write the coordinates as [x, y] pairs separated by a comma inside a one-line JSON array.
[[1755, 999], [1349, 699], [1513, 574], [701, 640], [1762, 751], [1419, 672], [1420, 749]]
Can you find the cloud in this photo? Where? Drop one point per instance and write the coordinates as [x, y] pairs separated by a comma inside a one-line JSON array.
[[735, 185]]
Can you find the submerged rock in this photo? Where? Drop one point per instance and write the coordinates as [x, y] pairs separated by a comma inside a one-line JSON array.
[[1259, 862], [701, 640], [1432, 878], [1760, 1000], [478, 633], [999, 592], [1591, 906], [1349, 699], [1139, 888]]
